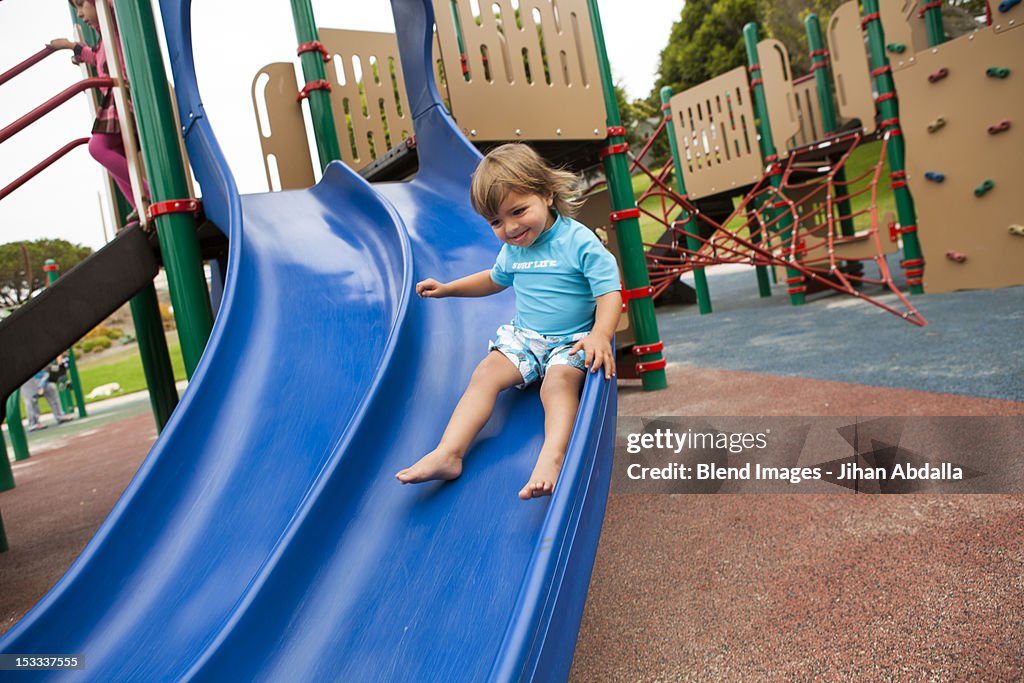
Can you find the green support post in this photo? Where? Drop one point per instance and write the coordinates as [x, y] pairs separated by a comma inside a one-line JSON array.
[[168, 183], [627, 229], [156, 359], [821, 66], [889, 110], [52, 273], [3, 536], [16, 430], [784, 224], [6, 473], [312, 61], [933, 23], [460, 41], [700, 278]]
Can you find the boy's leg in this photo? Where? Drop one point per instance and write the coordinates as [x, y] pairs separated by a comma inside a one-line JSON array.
[[560, 394], [494, 374]]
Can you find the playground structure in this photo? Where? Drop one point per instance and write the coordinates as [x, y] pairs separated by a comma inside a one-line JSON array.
[[725, 133], [210, 617], [225, 521], [724, 149]]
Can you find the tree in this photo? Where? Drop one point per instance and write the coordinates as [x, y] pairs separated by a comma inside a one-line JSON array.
[[21, 266], [783, 20], [705, 42]]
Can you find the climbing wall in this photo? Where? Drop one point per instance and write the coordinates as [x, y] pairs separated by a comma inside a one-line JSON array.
[[961, 107]]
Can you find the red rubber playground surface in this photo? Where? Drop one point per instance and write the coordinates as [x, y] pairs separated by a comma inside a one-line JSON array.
[[690, 587]]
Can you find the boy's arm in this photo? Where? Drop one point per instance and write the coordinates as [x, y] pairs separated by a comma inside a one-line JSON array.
[[477, 284], [597, 346]]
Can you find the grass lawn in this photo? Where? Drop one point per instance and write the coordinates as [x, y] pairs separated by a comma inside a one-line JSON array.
[[126, 371]]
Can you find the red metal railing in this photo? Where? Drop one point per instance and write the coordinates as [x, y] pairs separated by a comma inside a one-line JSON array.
[[35, 170], [46, 107], [23, 66]]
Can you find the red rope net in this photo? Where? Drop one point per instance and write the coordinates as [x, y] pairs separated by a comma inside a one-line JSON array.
[[797, 225]]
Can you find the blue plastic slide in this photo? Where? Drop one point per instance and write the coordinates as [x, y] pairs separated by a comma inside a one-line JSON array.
[[265, 537]]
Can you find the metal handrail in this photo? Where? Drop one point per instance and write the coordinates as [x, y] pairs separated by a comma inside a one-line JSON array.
[[35, 170], [23, 66], [45, 108]]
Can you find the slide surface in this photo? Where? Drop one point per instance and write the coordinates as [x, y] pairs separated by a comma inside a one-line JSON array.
[[265, 538]]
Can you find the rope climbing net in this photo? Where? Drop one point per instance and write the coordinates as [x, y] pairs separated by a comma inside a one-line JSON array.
[[803, 215]]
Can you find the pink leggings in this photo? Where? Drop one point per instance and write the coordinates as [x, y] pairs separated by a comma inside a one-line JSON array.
[[108, 150]]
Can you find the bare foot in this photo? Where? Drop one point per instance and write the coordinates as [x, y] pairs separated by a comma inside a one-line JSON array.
[[432, 466], [542, 480]]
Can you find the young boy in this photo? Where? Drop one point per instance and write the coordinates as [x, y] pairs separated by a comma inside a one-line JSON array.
[[568, 303]]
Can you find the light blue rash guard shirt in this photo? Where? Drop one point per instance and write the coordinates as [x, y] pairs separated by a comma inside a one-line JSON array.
[[557, 278]]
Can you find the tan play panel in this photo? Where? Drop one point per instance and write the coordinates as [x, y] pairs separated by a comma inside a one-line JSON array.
[[516, 85]]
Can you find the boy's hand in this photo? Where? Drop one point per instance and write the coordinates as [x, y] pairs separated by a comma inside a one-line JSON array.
[[61, 44], [598, 352], [431, 289]]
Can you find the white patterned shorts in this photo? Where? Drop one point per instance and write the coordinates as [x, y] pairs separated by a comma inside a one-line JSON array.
[[533, 353]]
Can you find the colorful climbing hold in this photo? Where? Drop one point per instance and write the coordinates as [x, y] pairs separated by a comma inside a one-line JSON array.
[[956, 256], [985, 186], [898, 48], [1017, 230], [936, 124], [934, 176], [998, 127], [997, 72], [1007, 5], [938, 75]]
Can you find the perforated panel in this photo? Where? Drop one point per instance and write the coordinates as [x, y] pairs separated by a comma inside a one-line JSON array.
[[371, 113], [714, 124], [282, 131], [850, 68], [808, 108], [778, 92], [533, 77]]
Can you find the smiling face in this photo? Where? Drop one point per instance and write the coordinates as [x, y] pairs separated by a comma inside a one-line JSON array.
[[522, 218], [87, 12]]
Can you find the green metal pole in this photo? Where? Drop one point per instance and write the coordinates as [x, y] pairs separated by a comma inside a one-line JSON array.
[[889, 109], [6, 473], [460, 41], [627, 229], [167, 177], [821, 66], [52, 270], [784, 224], [700, 278], [313, 70], [933, 24], [19, 442], [3, 536], [156, 360]]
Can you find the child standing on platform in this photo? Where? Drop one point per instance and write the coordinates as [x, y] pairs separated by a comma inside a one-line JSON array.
[[105, 145], [568, 304]]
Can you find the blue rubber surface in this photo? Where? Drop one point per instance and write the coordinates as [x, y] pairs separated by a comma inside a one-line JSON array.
[[971, 345], [265, 538]]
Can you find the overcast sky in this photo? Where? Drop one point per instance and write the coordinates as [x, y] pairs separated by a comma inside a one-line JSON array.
[[232, 41]]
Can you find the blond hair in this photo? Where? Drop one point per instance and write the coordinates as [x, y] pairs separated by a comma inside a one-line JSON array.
[[515, 167]]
